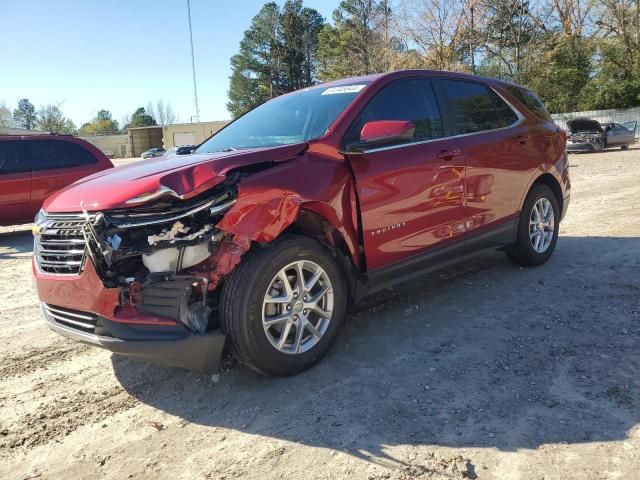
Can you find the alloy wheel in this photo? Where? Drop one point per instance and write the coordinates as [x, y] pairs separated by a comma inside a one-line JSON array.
[[297, 307], [541, 225]]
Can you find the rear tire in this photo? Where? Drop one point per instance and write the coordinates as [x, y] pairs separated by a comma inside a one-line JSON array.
[[624, 147], [257, 308], [537, 228]]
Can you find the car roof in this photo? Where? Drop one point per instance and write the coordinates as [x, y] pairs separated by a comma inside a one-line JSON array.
[[409, 73], [31, 136]]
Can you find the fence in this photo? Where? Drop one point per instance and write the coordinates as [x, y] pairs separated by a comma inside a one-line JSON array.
[[602, 116]]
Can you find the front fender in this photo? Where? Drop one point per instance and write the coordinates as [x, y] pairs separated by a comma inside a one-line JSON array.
[[269, 201]]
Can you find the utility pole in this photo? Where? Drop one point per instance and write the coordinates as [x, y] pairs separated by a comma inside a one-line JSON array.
[[472, 52], [193, 64]]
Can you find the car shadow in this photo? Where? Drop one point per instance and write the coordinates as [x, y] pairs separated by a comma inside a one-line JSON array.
[[486, 354], [609, 150], [16, 243]]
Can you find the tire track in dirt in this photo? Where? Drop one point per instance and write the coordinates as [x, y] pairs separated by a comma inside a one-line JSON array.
[[62, 415], [39, 358]]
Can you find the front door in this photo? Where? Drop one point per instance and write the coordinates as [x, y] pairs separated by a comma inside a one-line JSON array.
[[411, 194]]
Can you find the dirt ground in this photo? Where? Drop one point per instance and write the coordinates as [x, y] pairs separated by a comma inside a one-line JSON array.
[[484, 371]]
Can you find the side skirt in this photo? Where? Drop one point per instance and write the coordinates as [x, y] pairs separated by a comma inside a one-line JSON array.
[[441, 257]]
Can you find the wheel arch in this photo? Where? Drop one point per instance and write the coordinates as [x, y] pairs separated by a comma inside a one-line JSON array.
[[312, 224], [550, 181]]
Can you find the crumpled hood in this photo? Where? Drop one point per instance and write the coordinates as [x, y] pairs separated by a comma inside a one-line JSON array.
[[186, 175], [584, 125]]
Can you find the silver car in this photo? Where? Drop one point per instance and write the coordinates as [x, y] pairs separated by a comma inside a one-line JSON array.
[[587, 135], [153, 152]]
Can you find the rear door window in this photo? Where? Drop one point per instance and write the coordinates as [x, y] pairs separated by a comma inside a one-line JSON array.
[[412, 100], [13, 158], [473, 107], [52, 154]]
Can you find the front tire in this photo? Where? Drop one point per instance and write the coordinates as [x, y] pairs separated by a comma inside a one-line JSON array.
[[283, 306], [624, 147], [537, 228]]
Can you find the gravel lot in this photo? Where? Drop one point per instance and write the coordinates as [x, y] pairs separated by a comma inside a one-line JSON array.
[[485, 371]]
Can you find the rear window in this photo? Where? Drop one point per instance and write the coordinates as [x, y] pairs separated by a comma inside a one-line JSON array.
[[11, 158], [51, 154], [531, 101], [476, 108]]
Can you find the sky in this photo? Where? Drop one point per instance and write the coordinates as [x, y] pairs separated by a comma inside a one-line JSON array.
[[119, 54]]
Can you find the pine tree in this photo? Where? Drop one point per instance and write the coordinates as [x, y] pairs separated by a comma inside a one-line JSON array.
[[25, 115], [278, 54]]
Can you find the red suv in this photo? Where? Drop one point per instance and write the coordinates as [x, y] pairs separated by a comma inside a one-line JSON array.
[[263, 238], [32, 167]]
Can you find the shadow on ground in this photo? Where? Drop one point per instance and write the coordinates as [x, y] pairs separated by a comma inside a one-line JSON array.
[[484, 355], [16, 243]]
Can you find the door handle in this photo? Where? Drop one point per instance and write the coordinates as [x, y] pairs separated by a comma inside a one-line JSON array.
[[523, 139], [449, 154]]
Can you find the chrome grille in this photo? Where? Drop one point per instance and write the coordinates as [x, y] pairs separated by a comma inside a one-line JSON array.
[[59, 248], [83, 321]]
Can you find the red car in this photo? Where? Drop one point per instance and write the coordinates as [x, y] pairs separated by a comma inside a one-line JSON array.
[[277, 224], [32, 167]]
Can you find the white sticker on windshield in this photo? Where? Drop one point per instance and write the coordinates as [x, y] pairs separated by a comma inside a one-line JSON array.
[[343, 89]]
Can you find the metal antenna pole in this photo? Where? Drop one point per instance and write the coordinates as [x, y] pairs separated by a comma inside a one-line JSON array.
[[193, 64]]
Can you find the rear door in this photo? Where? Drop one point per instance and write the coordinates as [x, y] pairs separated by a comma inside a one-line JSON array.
[[410, 194], [15, 183], [500, 154], [56, 164]]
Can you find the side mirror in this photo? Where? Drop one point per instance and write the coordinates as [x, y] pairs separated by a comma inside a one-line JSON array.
[[384, 132]]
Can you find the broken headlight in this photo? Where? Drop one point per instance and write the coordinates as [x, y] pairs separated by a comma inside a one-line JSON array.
[[165, 212]]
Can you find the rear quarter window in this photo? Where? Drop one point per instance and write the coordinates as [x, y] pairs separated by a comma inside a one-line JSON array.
[[52, 154], [531, 101]]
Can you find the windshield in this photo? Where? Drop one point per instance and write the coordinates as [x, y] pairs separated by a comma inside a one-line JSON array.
[[293, 118]]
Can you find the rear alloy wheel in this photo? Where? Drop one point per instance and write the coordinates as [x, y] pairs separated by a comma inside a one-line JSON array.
[[537, 228], [283, 306], [541, 225]]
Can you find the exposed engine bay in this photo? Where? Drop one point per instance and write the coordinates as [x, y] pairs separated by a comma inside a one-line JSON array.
[[148, 251], [585, 132], [595, 138]]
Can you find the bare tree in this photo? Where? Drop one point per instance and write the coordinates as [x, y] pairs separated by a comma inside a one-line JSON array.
[[125, 121], [437, 29], [574, 16], [620, 20], [6, 119], [161, 112], [51, 119]]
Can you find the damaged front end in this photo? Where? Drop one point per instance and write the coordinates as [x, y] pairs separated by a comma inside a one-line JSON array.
[[585, 135], [141, 281], [150, 251]]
